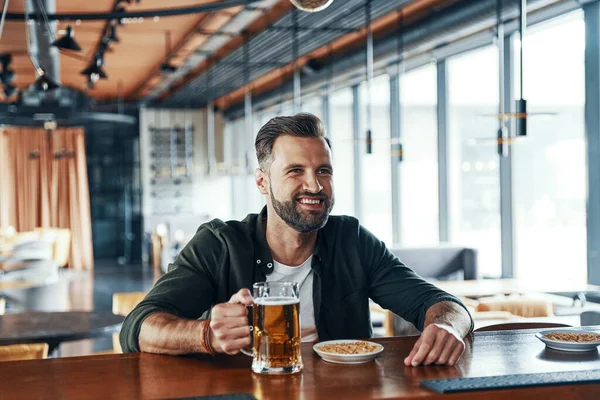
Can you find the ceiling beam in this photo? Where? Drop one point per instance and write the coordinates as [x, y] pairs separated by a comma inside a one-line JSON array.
[[263, 22], [382, 26]]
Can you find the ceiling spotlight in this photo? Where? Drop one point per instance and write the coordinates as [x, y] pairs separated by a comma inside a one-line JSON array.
[[45, 84], [120, 10], [167, 68], [112, 35], [95, 68], [7, 76], [312, 5], [9, 90], [92, 79], [67, 42]]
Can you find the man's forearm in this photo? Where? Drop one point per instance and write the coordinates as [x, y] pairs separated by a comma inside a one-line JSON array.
[[449, 313], [164, 333]]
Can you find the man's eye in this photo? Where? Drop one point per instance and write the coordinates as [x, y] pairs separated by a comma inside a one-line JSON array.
[[295, 171], [325, 171]]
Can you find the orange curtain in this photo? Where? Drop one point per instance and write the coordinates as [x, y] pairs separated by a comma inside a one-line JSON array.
[[44, 183]]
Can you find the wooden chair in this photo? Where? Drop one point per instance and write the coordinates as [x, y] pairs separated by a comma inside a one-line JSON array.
[[523, 306], [521, 325], [122, 304], [16, 352]]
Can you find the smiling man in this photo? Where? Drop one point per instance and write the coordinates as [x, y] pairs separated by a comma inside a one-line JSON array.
[[199, 306]]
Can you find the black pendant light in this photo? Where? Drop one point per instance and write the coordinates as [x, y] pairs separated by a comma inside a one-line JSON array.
[[9, 90], [167, 67], [521, 126], [45, 84], [112, 35], [369, 141], [95, 68], [67, 42]]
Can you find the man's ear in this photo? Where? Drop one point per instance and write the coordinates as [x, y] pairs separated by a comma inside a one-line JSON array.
[[261, 179]]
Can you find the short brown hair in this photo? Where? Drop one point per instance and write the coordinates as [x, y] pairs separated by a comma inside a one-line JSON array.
[[300, 125]]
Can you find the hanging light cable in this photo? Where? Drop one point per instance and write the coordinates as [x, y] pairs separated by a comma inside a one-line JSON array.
[[502, 131], [297, 101], [522, 103], [397, 149], [246, 143], [369, 76]]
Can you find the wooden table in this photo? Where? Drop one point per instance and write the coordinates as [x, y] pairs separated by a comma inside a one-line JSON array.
[[131, 376], [56, 327]]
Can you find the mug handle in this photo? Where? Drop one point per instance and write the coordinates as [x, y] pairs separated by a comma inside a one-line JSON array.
[[249, 350]]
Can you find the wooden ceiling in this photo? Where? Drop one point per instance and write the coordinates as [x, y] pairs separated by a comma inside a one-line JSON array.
[[134, 62]]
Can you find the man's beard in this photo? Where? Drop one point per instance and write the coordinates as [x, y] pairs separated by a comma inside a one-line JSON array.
[[307, 221]]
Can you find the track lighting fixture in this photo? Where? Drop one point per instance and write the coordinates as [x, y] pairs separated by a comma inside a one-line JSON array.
[[67, 42], [112, 34], [9, 90], [95, 68], [6, 75], [45, 84]]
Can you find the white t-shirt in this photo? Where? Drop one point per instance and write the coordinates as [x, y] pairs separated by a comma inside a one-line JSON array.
[[303, 275]]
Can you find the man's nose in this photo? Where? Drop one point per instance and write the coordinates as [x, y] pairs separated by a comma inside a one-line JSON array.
[[312, 184]]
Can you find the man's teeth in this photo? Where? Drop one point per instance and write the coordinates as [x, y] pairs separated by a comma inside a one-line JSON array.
[[308, 201]]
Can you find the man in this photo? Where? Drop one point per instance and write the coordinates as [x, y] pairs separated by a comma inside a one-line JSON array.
[[200, 304]]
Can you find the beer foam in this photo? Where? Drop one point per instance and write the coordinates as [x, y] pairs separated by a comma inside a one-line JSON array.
[[276, 301]]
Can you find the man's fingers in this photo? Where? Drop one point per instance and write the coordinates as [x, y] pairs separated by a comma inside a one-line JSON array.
[[426, 346], [243, 296], [449, 347], [224, 335], [224, 323], [229, 310], [234, 346], [440, 341], [408, 360], [458, 351]]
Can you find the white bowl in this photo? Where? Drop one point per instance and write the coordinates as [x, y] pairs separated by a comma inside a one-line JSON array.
[[567, 346], [347, 358]]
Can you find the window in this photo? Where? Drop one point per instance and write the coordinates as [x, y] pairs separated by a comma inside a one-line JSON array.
[[473, 159], [419, 194], [245, 196], [313, 105], [550, 163], [343, 151], [376, 174]]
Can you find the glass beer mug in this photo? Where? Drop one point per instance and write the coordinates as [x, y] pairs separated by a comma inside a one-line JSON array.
[[276, 328]]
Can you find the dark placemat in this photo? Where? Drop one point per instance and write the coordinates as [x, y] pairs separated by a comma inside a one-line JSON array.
[[512, 381]]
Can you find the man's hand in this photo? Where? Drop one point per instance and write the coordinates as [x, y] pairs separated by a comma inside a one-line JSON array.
[[229, 327], [438, 344]]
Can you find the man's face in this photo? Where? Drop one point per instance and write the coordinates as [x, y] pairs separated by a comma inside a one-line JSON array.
[[299, 183]]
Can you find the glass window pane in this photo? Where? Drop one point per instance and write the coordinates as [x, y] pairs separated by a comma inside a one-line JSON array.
[[473, 159], [313, 105], [376, 174], [419, 194], [342, 151], [550, 163]]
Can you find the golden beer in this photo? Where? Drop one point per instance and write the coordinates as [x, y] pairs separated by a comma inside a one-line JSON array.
[[276, 347]]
